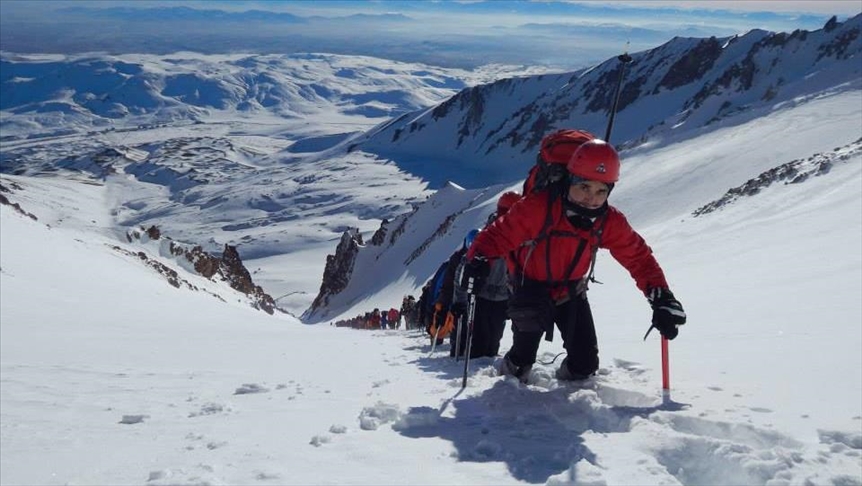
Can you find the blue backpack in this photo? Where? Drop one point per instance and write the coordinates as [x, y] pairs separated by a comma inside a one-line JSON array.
[[437, 284]]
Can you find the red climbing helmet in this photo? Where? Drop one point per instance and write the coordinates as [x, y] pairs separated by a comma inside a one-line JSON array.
[[595, 160]]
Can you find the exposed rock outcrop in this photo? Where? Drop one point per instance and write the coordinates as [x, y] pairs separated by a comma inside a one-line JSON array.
[[239, 278], [792, 172], [228, 267], [488, 132], [339, 268], [17, 207], [380, 235], [692, 65]]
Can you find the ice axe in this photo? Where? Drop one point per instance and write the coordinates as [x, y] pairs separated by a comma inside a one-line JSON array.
[[665, 367], [624, 59], [665, 371]]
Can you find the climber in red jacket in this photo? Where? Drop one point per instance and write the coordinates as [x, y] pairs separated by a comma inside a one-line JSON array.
[[550, 239]]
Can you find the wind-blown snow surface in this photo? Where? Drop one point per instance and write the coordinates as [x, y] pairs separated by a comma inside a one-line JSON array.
[[111, 376]]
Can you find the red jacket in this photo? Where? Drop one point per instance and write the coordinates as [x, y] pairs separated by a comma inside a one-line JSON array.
[[510, 235]]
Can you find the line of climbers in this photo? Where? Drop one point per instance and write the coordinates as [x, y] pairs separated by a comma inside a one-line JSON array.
[[375, 319], [446, 303], [534, 259]]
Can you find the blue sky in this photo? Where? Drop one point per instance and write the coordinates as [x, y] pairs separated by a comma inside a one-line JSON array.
[[558, 34]]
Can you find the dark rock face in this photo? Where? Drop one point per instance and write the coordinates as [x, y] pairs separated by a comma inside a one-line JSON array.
[[154, 233], [380, 235], [741, 73], [339, 268], [239, 278], [17, 207], [471, 102], [439, 232], [838, 48], [228, 266], [693, 65]]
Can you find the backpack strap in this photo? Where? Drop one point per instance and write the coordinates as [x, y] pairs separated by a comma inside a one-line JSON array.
[[598, 232], [543, 233]]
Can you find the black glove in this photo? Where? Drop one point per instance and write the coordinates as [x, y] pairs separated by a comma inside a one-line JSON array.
[[476, 270], [458, 309], [667, 312]]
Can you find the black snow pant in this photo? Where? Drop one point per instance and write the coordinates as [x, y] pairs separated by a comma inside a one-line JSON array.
[[489, 322], [574, 319]]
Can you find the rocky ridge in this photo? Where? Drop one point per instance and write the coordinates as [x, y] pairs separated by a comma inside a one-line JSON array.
[[227, 267]]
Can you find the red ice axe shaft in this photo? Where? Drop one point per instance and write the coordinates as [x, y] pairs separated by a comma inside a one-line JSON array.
[[665, 366]]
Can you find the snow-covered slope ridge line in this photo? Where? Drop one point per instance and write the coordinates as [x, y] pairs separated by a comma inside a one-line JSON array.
[[402, 253], [183, 267], [699, 165], [793, 172], [489, 133]]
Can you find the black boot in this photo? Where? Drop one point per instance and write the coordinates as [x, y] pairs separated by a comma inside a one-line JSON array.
[[509, 368], [565, 373]]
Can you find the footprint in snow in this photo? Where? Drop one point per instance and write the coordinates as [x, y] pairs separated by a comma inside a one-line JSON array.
[[200, 475], [321, 439], [265, 476], [381, 413], [250, 388], [760, 409], [198, 439], [704, 451], [210, 409], [378, 384], [133, 419]]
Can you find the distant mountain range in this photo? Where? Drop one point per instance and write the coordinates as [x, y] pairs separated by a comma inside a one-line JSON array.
[[275, 154], [59, 92], [230, 148], [562, 35]]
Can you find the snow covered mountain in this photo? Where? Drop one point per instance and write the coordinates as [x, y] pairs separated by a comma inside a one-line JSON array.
[[488, 134], [227, 152], [113, 375], [708, 89], [223, 149], [47, 95]]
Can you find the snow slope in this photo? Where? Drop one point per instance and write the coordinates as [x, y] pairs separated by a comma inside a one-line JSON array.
[[489, 134], [111, 376]]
